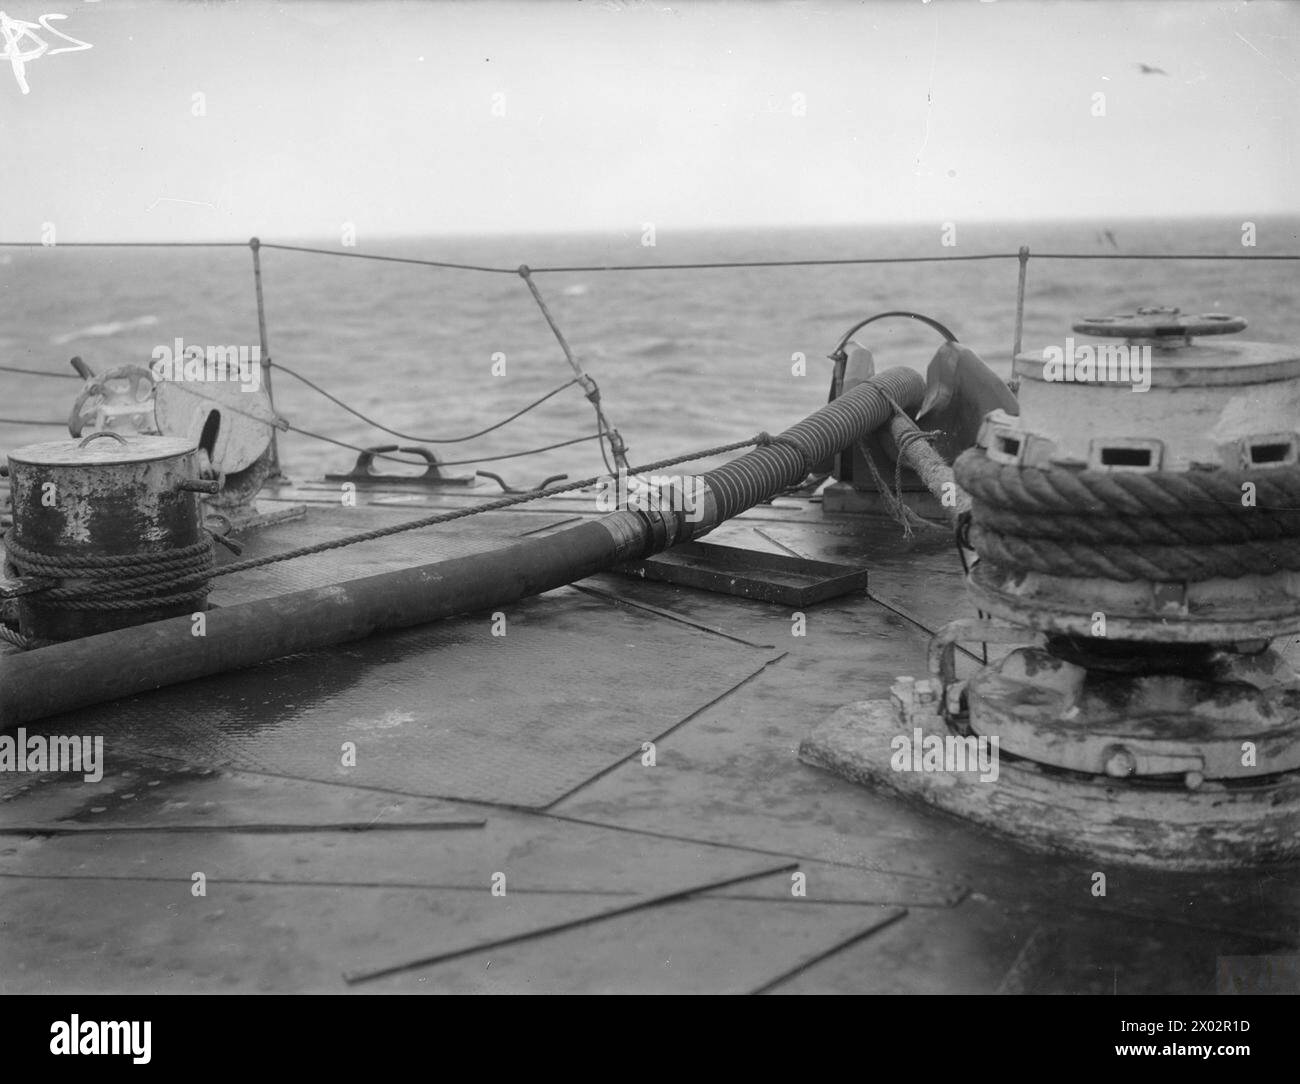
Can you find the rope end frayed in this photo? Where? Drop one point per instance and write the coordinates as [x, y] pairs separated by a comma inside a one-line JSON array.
[[898, 509]]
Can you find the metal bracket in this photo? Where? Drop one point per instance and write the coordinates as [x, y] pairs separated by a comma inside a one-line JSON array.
[[943, 646], [1160, 325]]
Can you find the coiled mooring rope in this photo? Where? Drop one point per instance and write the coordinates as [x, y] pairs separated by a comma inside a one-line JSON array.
[[132, 581], [1163, 526]]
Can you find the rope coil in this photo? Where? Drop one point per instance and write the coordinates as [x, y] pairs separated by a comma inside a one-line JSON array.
[[128, 582], [1162, 526]]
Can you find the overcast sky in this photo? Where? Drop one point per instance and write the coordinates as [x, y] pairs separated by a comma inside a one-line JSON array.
[[424, 118]]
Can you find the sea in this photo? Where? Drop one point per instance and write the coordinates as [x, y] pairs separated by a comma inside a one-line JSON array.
[[685, 359]]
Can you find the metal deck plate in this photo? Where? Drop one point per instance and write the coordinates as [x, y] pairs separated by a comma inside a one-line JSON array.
[[700, 945], [103, 910], [139, 936], [445, 710]]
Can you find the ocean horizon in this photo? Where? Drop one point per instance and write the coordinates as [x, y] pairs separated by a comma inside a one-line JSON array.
[[684, 359]]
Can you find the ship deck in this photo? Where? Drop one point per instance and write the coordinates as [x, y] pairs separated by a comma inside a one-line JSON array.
[[519, 761]]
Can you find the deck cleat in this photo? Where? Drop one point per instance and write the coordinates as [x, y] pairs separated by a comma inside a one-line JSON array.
[[1138, 533]]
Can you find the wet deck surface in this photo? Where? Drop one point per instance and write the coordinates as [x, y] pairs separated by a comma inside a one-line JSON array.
[[522, 755]]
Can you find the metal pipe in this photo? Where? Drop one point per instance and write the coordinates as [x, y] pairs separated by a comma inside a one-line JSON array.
[[77, 673]]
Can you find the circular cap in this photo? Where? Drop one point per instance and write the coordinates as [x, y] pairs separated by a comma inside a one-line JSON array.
[[1155, 322], [103, 452]]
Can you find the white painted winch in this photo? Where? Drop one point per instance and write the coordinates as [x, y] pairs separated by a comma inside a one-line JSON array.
[[1138, 533], [1159, 400], [1176, 395], [1150, 491]]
